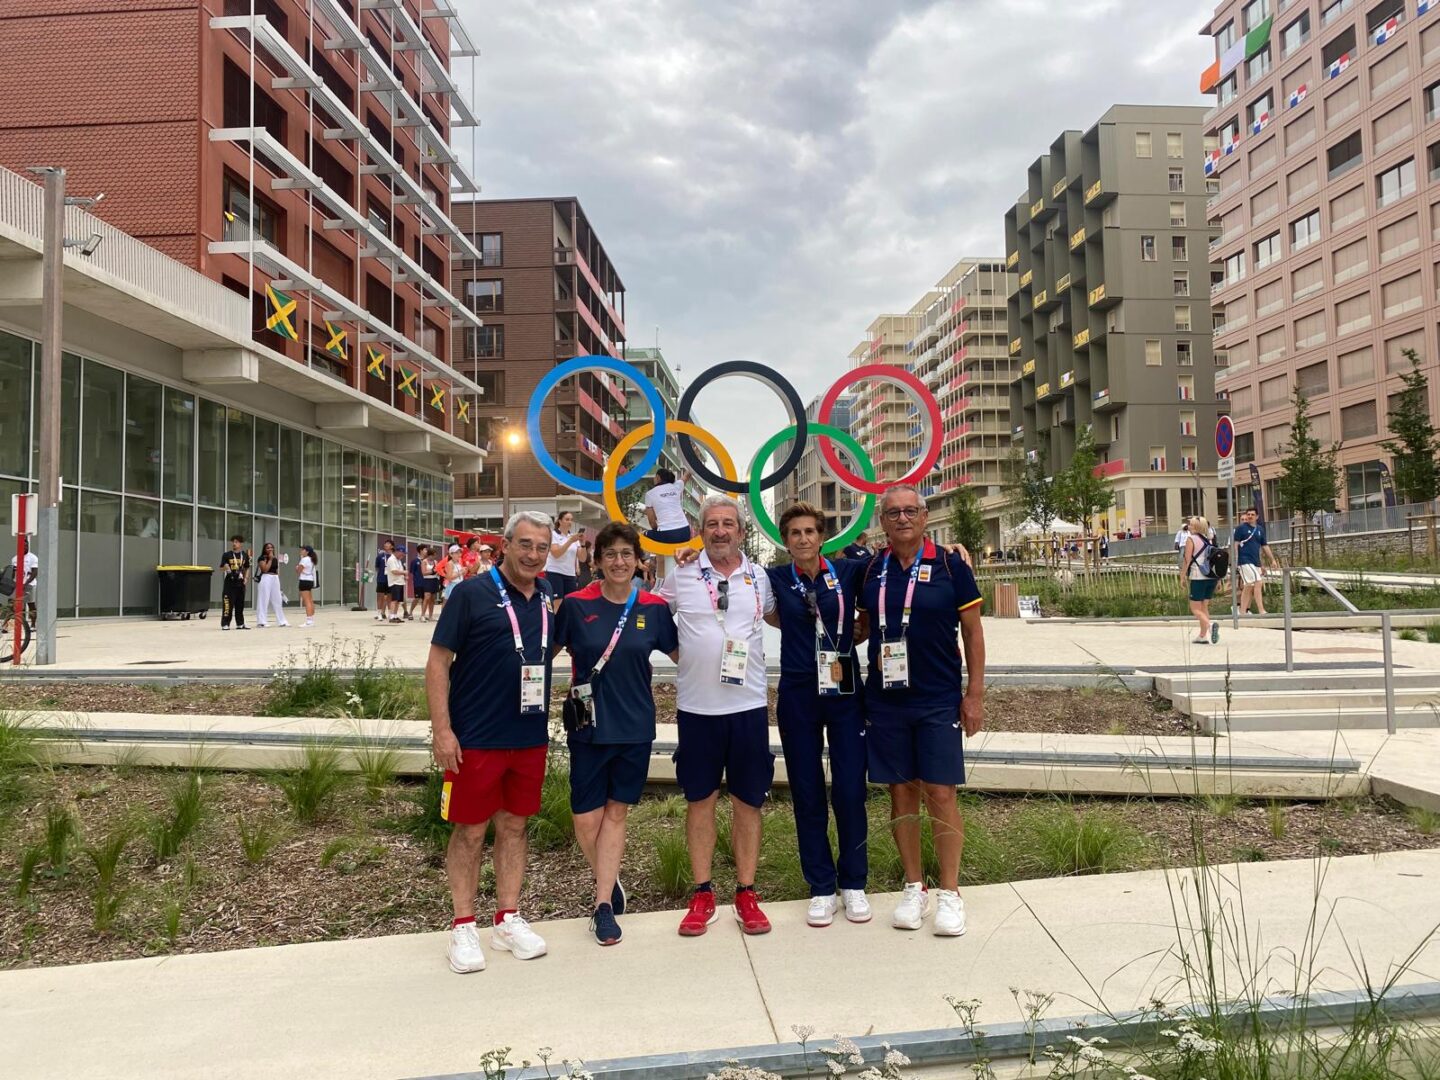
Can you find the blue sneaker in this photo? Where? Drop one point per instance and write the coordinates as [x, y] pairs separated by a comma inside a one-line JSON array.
[[604, 926], [617, 898]]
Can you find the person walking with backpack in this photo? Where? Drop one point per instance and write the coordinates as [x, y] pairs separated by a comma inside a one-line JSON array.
[[1199, 559]]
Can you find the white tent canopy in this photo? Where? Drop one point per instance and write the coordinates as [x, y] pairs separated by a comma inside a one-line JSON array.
[[1028, 530]]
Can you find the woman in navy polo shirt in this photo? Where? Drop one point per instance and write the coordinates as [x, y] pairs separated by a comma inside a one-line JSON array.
[[815, 601], [610, 628]]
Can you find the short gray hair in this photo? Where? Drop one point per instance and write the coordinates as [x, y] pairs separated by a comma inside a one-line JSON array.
[[894, 488], [712, 501], [531, 517]]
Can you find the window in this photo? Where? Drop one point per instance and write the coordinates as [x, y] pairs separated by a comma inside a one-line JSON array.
[[1389, 73], [235, 106], [1295, 35], [1344, 155], [1269, 298], [1358, 421], [1264, 156], [1182, 318], [1433, 153], [1185, 387], [1265, 205], [1430, 45], [1396, 347], [1267, 251], [1179, 249], [1142, 144], [1353, 314], [1307, 281], [1153, 357], [1338, 51], [1342, 105], [1272, 444], [1364, 485], [1176, 179], [1258, 66], [1270, 346], [1177, 215], [1351, 261], [1303, 182], [1187, 421], [1274, 393], [337, 177], [1300, 132], [1314, 381], [1174, 144], [1261, 110], [1401, 296], [1235, 268], [1395, 184], [1184, 357], [1147, 248], [485, 295], [1399, 239], [1157, 464], [1245, 448], [1305, 232], [1357, 367], [1431, 100], [490, 249], [1181, 284], [1333, 11], [485, 342], [1229, 89], [238, 215], [1224, 38], [1256, 12], [1310, 331], [1347, 209], [1392, 129]]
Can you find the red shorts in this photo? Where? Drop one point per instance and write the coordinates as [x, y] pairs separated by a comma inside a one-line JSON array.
[[491, 780]]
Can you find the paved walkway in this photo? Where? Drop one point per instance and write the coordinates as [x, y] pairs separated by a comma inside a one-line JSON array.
[[155, 647], [388, 1007]]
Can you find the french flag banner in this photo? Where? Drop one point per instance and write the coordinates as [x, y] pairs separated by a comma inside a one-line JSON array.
[[1386, 32], [1261, 123], [1340, 66], [1298, 95]]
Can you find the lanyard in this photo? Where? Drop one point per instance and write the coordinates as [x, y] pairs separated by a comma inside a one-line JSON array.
[[715, 596], [515, 623], [909, 591], [615, 637], [820, 630]]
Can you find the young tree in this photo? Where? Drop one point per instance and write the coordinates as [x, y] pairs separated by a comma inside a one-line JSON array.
[[967, 526], [1309, 476], [1416, 445], [1081, 494], [1030, 492]]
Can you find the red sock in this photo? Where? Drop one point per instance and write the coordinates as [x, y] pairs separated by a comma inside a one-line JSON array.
[[500, 915], [461, 922]]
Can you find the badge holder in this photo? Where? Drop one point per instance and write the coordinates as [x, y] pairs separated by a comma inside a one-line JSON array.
[[834, 672], [532, 689], [894, 665], [577, 712], [734, 659]]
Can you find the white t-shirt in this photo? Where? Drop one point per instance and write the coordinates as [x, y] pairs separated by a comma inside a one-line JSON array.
[[395, 571], [32, 562], [562, 564], [697, 680], [307, 568], [668, 502]]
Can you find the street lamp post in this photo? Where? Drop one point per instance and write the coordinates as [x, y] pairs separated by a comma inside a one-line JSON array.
[[48, 418], [510, 439]]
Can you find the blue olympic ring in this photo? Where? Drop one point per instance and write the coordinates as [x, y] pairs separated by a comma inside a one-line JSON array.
[[630, 374]]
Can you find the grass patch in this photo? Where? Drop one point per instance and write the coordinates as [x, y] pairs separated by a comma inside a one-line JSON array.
[[311, 786], [672, 865], [1409, 633], [258, 840], [553, 827], [187, 809], [345, 678], [1432, 631], [60, 833], [1062, 840], [377, 761], [424, 823], [1426, 822], [107, 894]]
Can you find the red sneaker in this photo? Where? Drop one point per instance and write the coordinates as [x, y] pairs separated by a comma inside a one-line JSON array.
[[748, 914], [701, 914]]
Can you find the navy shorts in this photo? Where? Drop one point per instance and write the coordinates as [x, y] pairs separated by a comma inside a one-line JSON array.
[[925, 744], [676, 535], [732, 746], [1202, 588], [607, 772], [397, 592]]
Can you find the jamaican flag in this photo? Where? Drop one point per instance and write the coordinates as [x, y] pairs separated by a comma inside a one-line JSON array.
[[335, 340], [280, 313], [409, 380], [375, 361]]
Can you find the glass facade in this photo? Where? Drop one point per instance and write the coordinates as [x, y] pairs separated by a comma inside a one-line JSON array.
[[155, 475]]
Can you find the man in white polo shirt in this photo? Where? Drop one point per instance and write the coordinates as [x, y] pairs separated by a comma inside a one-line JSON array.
[[720, 601]]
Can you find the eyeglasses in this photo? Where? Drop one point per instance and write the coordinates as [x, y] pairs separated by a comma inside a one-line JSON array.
[[619, 555], [895, 513], [723, 588], [531, 547]]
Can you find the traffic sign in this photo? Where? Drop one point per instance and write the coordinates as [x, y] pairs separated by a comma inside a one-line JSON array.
[[1224, 437], [23, 510], [1226, 471]]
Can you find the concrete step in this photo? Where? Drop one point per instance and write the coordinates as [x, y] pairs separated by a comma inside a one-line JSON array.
[[1354, 718], [1249, 682], [1277, 700]]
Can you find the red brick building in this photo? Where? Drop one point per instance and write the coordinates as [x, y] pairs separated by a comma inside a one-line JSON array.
[[299, 144]]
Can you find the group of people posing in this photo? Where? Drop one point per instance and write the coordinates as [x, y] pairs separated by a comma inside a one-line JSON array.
[[870, 667], [236, 565]]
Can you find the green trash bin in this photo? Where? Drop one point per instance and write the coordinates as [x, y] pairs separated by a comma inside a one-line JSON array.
[[184, 591]]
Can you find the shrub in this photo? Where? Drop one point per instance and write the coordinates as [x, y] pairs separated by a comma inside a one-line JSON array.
[[29, 863], [19, 753], [1432, 631], [1409, 633], [1060, 841], [1426, 822], [1275, 813], [425, 824], [59, 833], [553, 827], [259, 840], [672, 865], [311, 786], [377, 762], [107, 895], [187, 809]]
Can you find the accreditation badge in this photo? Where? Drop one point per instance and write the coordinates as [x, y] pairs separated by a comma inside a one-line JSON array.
[[734, 659], [894, 665], [532, 688], [829, 672]]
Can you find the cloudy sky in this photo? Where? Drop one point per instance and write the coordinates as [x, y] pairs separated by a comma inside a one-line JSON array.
[[768, 175]]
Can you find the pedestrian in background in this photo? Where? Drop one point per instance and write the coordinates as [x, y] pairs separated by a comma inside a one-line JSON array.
[[235, 564], [394, 581], [561, 567], [429, 584], [416, 593], [267, 593], [1195, 573], [305, 570]]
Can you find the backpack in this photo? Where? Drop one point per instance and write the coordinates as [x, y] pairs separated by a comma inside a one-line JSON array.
[[1219, 560], [7, 581]]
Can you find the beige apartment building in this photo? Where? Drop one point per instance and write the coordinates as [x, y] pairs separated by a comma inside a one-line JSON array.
[[882, 418], [1108, 312], [1327, 121]]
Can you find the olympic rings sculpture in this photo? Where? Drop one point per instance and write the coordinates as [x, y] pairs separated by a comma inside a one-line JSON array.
[[613, 481]]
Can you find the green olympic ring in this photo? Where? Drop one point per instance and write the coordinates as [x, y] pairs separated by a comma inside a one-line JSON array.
[[856, 451]]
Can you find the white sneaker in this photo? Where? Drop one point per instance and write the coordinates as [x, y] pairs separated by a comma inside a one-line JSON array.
[[949, 914], [309, 622], [515, 936], [857, 905], [465, 954], [822, 910], [914, 905], [284, 624]]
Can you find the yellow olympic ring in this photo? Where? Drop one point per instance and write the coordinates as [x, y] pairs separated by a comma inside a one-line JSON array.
[[633, 439]]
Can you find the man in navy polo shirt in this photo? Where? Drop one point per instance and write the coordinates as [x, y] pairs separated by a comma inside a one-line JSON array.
[[610, 628], [1250, 543], [488, 685], [918, 599]]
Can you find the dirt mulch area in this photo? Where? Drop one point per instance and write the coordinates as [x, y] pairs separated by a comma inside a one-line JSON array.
[[1082, 712], [243, 699]]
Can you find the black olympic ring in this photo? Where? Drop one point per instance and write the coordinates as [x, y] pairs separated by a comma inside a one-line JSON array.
[[770, 378]]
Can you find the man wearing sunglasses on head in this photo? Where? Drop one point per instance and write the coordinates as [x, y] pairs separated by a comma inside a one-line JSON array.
[[720, 601], [919, 599]]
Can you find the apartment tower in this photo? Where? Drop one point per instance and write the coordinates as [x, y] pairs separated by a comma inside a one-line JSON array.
[[1107, 315], [885, 421], [1327, 123]]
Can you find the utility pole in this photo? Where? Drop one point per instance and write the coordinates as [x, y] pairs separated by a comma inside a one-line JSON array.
[[47, 415], [504, 480]]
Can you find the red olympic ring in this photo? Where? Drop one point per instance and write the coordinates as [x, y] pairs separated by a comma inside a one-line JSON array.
[[891, 374]]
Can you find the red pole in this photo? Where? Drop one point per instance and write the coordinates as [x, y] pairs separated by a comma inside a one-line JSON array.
[[18, 597]]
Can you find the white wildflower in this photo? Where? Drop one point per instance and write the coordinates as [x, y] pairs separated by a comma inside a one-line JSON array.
[[1091, 1054], [836, 1069], [895, 1059], [802, 1031], [871, 1073]]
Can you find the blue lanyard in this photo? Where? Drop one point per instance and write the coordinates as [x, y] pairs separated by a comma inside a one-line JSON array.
[[834, 583], [909, 591], [615, 637], [515, 623]]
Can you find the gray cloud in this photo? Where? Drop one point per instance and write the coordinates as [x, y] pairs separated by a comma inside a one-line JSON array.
[[768, 175]]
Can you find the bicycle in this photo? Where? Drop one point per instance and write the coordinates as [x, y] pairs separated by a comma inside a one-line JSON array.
[[7, 629]]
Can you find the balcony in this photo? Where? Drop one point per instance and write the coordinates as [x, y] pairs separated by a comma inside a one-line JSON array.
[[1015, 347], [1081, 340], [1028, 369], [1037, 208], [1043, 301], [1077, 238], [1096, 195], [1042, 391], [1062, 285], [1026, 278], [1012, 260], [1101, 298]]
